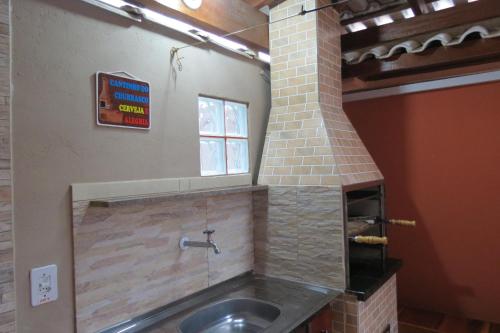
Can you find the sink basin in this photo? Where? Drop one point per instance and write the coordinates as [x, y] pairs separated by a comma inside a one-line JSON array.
[[231, 316]]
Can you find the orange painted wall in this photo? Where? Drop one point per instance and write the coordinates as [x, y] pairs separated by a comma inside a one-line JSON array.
[[440, 154]]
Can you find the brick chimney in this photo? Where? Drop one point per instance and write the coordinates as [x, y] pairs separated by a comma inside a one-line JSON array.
[[309, 139], [311, 151]]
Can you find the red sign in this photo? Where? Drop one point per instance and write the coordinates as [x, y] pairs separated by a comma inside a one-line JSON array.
[[122, 102]]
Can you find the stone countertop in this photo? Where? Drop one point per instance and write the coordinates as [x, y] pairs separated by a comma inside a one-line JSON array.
[[366, 283], [297, 303]]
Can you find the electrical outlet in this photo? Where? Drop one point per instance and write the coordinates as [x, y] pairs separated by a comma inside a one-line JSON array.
[[43, 285]]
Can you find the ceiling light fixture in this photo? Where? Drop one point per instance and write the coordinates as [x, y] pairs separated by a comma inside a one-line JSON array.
[[226, 43], [118, 7], [384, 19], [197, 33], [356, 26], [182, 27], [442, 4], [264, 57], [116, 3], [168, 22]]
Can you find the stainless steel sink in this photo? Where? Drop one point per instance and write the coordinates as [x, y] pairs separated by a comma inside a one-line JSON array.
[[231, 316]]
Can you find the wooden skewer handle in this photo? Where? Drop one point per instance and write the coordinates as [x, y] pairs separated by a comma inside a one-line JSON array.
[[406, 223], [371, 240]]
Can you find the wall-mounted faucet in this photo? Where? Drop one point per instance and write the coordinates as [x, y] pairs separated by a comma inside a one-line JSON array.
[[185, 242]]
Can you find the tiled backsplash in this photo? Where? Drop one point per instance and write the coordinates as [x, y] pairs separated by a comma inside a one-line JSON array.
[[231, 217], [128, 260], [299, 234]]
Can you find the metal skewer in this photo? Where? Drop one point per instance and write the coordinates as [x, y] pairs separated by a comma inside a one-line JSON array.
[[378, 220]]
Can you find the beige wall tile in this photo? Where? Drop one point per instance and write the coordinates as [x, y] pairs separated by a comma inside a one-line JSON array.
[[128, 261], [289, 223]]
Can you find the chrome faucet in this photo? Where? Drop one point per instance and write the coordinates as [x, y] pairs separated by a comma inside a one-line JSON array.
[[210, 243]]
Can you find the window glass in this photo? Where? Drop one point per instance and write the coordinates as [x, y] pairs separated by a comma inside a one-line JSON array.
[[211, 116], [223, 137], [236, 119], [212, 156], [237, 155]]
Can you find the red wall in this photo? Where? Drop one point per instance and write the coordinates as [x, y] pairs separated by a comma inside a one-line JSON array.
[[440, 154]]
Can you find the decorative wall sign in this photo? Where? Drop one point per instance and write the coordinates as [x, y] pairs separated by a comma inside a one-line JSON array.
[[122, 101]]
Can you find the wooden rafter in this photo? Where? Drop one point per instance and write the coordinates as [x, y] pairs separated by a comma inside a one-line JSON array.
[[371, 15], [351, 85], [435, 21], [469, 52], [419, 7]]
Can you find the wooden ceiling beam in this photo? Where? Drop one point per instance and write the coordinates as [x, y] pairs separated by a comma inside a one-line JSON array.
[[351, 85], [419, 7], [469, 52], [435, 21], [386, 11], [220, 17]]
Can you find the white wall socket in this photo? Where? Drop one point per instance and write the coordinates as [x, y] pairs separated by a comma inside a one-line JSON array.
[[43, 285]]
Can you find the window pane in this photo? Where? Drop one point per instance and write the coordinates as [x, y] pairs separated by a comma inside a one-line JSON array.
[[212, 157], [237, 155], [211, 116], [236, 119]]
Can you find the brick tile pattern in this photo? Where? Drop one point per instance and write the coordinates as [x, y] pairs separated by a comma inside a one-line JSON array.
[[127, 258], [298, 234], [7, 291], [353, 160], [297, 150], [380, 310], [345, 314], [372, 316], [309, 139]]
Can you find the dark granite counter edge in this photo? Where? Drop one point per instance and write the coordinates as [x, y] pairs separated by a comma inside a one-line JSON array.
[[155, 198], [364, 292]]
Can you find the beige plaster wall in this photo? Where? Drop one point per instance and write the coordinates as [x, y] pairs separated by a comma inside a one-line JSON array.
[[58, 45]]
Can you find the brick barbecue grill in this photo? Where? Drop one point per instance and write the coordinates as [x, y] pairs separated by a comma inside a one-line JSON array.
[[322, 220]]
